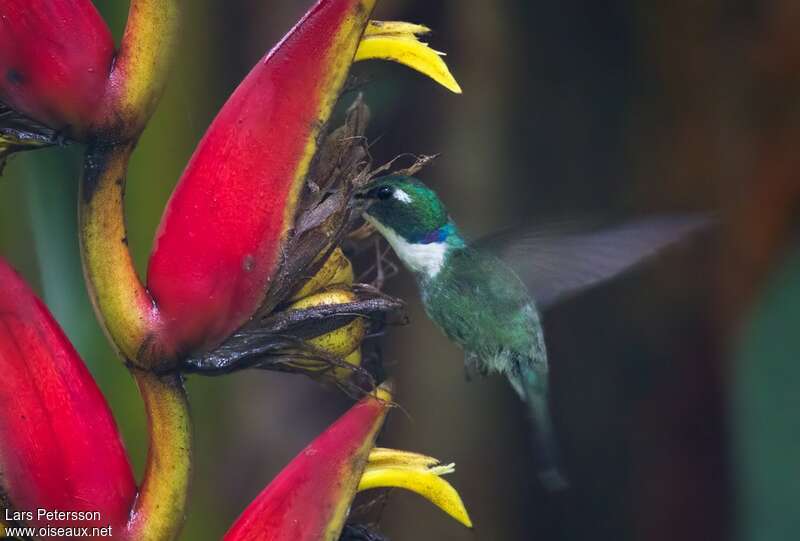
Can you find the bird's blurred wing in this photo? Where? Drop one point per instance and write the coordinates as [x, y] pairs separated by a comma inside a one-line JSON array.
[[558, 260]]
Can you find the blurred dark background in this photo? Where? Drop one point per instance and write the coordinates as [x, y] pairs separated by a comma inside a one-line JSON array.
[[675, 388]]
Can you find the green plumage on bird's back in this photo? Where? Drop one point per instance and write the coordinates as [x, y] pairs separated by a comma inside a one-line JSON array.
[[483, 306]]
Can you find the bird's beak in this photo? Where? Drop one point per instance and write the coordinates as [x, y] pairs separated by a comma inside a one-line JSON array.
[[364, 197]]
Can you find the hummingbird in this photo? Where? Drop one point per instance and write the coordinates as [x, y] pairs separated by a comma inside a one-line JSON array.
[[480, 302]]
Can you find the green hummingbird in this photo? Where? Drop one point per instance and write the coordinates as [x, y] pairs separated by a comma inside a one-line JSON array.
[[482, 304]]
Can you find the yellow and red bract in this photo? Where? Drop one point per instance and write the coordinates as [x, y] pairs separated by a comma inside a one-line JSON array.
[[59, 445], [310, 498], [223, 228], [55, 59]]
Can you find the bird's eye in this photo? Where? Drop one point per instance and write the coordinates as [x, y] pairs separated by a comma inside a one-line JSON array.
[[384, 192]]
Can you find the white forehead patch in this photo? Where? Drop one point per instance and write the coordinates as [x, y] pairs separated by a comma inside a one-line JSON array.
[[401, 196]]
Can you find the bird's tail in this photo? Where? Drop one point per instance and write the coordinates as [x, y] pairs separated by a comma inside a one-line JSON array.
[[549, 471]]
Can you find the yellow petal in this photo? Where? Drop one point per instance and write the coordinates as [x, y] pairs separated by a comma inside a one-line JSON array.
[[333, 295], [2, 529], [344, 273], [337, 269], [383, 456], [384, 391], [418, 473], [344, 340], [375, 28], [397, 41], [353, 359]]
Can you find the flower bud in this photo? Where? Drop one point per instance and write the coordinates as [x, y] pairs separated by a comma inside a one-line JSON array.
[[59, 445], [344, 340], [310, 498], [55, 59], [223, 229]]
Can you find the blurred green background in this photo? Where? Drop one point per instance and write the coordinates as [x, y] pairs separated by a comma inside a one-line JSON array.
[[675, 388]]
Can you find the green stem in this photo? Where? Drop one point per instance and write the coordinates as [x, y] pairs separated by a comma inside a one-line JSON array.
[[160, 506], [140, 72], [124, 305], [120, 299]]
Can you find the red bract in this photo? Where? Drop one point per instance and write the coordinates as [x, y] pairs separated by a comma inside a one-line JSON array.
[[55, 57], [59, 446], [223, 228], [310, 498]]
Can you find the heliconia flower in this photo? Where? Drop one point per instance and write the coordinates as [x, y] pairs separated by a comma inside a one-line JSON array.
[[60, 450], [222, 229], [310, 499], [55, 59], [231, 216], [59, 445]]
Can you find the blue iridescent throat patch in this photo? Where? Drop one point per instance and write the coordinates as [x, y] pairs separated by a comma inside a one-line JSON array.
[[437, 235]]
